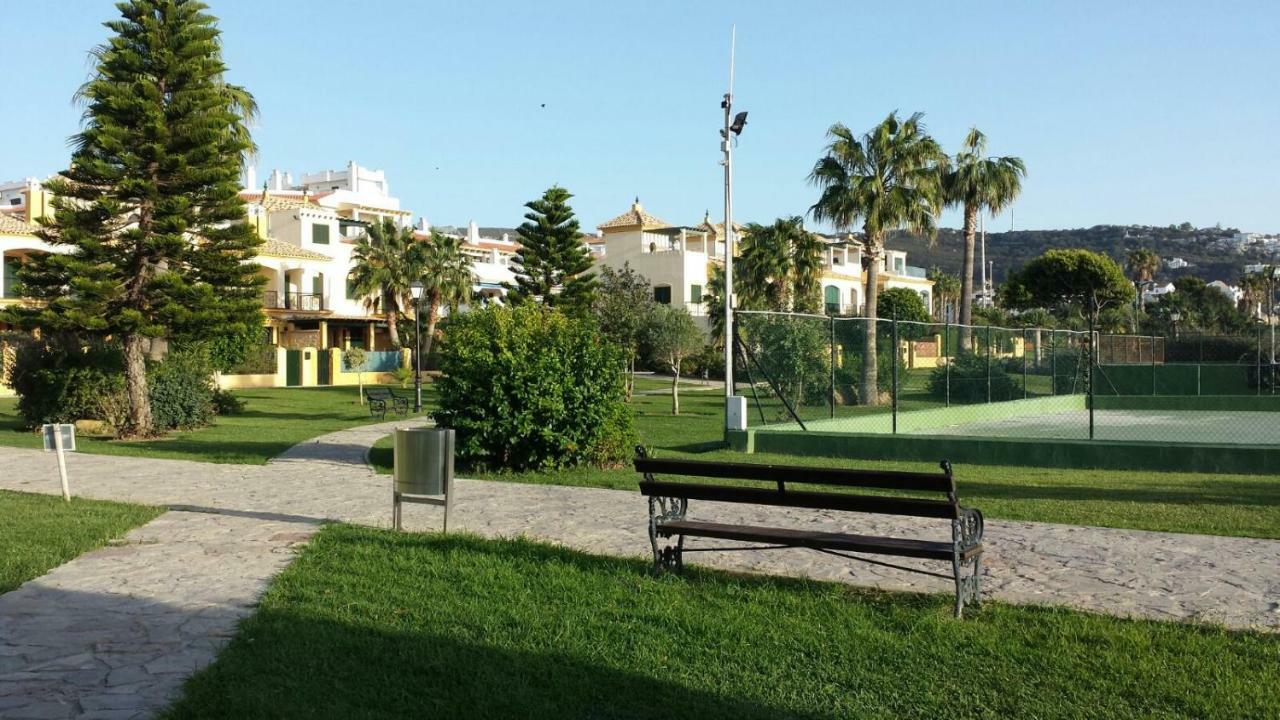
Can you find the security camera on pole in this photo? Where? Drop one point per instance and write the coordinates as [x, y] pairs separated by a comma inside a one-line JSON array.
[[735, 407]]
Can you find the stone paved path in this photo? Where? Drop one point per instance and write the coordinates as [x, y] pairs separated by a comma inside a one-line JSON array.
[[210, 560], [115, 632]]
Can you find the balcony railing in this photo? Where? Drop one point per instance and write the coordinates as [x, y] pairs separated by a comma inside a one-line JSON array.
[[306, 302]]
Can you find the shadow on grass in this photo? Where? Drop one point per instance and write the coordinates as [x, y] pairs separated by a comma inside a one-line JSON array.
[[1218, 493]]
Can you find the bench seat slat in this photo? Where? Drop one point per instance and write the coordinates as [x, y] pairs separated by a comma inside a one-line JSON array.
[[902, 547], [912, 507], [888, 480]]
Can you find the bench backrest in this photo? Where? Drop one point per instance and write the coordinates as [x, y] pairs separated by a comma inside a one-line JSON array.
[[779, 476], [377, 393]]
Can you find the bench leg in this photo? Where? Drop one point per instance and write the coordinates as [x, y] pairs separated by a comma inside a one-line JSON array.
[[968, 588], [668, 557]]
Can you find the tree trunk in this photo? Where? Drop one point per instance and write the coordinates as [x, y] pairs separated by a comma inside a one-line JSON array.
[[629, 382], [675, 388], [393, 314], [433, 312], [870, 386], [966, 278], [139, 423]]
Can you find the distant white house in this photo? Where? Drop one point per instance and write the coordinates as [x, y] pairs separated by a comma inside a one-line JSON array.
[[1154, 292], [1176, 263], [1231, 291]]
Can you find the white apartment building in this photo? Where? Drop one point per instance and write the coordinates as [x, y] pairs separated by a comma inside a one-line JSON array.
[[309, 231], [677, 259], [492, 260], [22, 203]]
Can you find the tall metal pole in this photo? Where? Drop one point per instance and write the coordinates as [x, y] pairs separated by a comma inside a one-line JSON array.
[[417, 354], [832, 389], [726, 146]]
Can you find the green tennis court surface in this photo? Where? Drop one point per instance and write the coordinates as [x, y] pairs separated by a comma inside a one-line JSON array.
[[1066, 418]]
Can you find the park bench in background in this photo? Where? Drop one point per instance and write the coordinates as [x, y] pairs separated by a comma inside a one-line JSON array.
[[669, 499], [382, 399]]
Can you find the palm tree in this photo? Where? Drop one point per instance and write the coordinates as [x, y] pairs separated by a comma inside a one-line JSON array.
[[1142, 265], [383, 269], [446, 278], [889, 178], [946, 289], [977, 183], [780, 267]]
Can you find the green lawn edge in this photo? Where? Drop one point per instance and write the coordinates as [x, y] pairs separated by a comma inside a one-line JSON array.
[[41, 532]]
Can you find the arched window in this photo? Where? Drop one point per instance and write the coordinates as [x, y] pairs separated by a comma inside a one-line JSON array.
[[832, 299]]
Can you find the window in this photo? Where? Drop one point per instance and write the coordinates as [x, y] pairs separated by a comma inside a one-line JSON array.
[[317, 284], [15, 201], [832, 298], [695, 294], [662, 294], [900, 266], [351, 293], [319, 234], [10, 277]]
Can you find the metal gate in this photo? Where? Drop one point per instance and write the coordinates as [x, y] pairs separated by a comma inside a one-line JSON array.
[[324, 367], [293, 368]]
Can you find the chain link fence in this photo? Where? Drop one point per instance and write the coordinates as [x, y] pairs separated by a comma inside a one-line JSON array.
[[820, 373]]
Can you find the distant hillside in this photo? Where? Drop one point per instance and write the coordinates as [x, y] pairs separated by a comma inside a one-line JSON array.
[[1211, 251]]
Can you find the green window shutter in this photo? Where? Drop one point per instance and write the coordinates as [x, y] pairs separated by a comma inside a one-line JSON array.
[[320, 234], [351, 289], [832, 299], [317, 285], [695, 294]]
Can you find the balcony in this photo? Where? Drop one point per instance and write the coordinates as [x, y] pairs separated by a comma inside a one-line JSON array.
[[912, 271], [302, 302]]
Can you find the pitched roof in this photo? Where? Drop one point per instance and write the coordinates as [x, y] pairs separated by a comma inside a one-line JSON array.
[[636, 217], [274, 203], [280, 248], [10, 225]]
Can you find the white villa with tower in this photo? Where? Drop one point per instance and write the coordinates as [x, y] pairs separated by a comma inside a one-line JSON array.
[[677, 260]]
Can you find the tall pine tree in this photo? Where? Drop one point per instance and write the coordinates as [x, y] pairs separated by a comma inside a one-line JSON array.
[[553, 265], [149, 211]]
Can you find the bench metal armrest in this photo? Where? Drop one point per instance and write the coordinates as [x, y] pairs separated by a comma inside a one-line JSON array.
[[966, 530]]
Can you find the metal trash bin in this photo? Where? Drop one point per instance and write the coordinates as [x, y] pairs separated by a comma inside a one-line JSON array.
[[423, 462]]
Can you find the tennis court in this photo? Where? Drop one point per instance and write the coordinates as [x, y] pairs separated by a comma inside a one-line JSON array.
[[1064, 418]]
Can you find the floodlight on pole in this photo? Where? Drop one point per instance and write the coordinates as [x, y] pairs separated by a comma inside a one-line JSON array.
[[734, 407]]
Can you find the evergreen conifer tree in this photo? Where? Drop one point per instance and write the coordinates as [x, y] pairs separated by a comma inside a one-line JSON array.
[[553, 265], [149, 211]]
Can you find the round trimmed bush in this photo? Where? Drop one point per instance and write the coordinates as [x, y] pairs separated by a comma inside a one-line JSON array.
[[528, 388]]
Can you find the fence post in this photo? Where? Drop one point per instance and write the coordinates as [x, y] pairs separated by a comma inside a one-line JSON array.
[[1053, 362], [1093, 349], [832, 389], [988, 363], [946, 359], [1153, 366], [1024, 363], [894, 394], [1259, 358]]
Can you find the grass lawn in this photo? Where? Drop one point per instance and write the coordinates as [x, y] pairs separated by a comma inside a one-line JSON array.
[[274, 420], [1241, 505], [372, 624], [41, 532], [655, 382]]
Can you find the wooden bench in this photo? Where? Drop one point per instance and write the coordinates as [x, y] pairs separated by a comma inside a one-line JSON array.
[[382, 399], [669, 502]]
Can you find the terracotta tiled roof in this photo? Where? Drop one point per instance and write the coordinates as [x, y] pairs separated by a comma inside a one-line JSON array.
[[717, 229], [10, 225], [633, 218], [274, 202], [279, 248]]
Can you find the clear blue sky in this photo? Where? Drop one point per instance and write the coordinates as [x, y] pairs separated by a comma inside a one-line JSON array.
[[1142, 112]]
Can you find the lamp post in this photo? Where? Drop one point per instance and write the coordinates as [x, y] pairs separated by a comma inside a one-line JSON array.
[[735, 407], [416, 290], [1175, 317]]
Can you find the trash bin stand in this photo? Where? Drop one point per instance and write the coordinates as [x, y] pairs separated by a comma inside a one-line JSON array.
[[398, 497]]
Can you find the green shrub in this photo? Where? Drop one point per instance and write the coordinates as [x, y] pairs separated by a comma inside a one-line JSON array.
[[61, 379], [968, 381], [403, 376], [528, 388], [181, 389], [258, 359], [226, 403]]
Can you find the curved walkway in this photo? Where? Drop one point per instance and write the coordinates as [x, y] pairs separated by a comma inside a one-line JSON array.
[[114, 632]]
